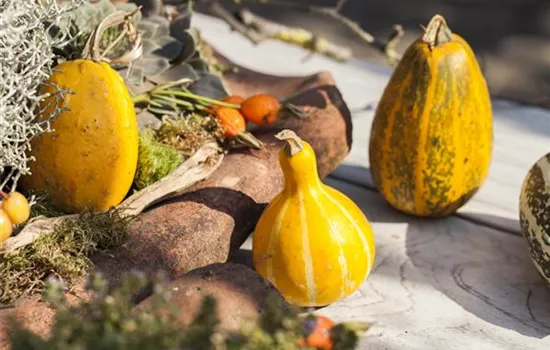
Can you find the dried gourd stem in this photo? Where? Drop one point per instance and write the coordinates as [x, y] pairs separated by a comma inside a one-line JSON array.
[[437, 33], [91, 49], [293, 143]]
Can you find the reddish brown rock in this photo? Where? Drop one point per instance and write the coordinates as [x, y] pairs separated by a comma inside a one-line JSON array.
[[35, 314], [240, 293]]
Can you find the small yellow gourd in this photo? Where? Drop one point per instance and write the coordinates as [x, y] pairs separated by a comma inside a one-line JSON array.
[[89, 159], [312, 242]]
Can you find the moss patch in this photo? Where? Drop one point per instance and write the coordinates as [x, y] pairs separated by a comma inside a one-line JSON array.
[[155, 161], [163, 149], [187, 134], [64, 252]]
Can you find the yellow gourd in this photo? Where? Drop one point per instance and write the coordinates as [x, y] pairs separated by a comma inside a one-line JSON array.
[[431, 140], [90, 158], [312, 242]]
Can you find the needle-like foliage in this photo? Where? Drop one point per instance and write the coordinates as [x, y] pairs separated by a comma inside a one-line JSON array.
[[29, 36]]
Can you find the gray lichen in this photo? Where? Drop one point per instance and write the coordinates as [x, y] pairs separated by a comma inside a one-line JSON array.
[[27, 42]]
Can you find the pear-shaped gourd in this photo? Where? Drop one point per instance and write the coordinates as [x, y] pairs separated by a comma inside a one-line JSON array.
[[432, 134], [89, 160], [312, 242]]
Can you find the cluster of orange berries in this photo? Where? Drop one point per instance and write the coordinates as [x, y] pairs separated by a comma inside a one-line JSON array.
[[259, 109], [14, 210]]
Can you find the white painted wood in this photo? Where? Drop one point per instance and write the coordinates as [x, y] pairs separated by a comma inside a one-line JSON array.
[[522, 134], [444, 284]]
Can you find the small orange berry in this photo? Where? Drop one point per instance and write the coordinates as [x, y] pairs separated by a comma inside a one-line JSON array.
[[16, 207], [261, 109], [232, 121], [6, 226], [317, 333]]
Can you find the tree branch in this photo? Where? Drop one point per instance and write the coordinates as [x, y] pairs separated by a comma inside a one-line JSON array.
[[386, 47], [294, 35]]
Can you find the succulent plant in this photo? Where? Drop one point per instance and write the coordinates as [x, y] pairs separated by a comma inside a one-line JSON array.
[[166, 46]]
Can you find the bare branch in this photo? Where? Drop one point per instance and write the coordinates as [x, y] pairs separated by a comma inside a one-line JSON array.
[[218, 10], [386, 47], [294, 35]]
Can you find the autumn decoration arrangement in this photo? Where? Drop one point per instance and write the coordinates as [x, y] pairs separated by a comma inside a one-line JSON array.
[[134, 110]]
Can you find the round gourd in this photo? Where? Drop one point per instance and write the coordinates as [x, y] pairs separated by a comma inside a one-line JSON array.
[[432, 135], [534, 214], [312, 242], [90, 158]]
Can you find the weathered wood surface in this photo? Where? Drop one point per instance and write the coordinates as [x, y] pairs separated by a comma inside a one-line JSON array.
[[522, 134], [465, 282]]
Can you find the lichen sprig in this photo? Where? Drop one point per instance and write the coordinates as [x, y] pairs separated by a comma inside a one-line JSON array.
[[26, 60]]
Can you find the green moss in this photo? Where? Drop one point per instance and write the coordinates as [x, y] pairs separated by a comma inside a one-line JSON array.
[[109, 321], [155, 160], [64, 252]]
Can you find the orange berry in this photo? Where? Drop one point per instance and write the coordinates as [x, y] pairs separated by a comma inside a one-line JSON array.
[[232, 121], [235, 99], [261, 109], [317, 333], [16, 206], [6, 226]]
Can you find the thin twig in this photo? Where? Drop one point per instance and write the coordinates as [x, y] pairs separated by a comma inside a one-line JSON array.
[[387, 47], [219, 11], [294, 35]]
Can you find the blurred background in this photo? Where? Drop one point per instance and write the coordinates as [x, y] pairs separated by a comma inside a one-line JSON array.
[[510, 37]]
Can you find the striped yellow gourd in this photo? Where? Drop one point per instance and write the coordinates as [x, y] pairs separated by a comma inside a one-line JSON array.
[[312, 242], [431, 139]]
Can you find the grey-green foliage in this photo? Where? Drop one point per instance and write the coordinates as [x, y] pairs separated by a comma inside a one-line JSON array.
[[26, 60], [165, 43], [109, 321]]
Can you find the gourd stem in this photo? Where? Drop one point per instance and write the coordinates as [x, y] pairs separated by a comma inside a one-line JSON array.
[[91, 48], [437, 33], [293, 142]]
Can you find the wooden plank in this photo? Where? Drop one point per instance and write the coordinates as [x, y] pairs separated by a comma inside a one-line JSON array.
[[444, 284], [521, 134]]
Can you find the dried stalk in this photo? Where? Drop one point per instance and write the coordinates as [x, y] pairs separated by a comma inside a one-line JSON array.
[[294, 35], [386, 47], [197, 168]]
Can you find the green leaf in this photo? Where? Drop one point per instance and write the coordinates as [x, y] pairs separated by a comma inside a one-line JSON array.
[[180, 25], [199, 64], [163, 25], [189, 43], [208, 85], [149, 46], [169, 47], [148, 29], [176, 72], [105, 7], [152, 65]]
